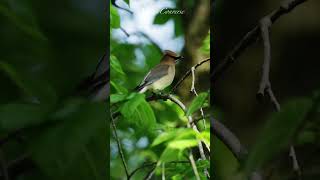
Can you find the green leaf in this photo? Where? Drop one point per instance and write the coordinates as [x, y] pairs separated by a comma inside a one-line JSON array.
[[17, 116], [205, 48], [114, 18], [37, 91], [116, 69], [169, 154], [166, 136], [115, 65], [128, 2], [138, 111], [71, 132], [22, 18], [114, 98], [197, 103], [183, 144], [205, 136], [161, 19], [278, 132], [176, 134], [118, 88]]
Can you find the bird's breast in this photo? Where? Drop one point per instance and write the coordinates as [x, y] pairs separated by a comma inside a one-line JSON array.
[[165, 81]]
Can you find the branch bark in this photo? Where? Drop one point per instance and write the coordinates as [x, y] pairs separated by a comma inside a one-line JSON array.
[[186, 75], [265, 85], [232, 143], [251, 37]]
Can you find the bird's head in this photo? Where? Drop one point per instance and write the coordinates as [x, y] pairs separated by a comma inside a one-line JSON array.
[[171, 57]]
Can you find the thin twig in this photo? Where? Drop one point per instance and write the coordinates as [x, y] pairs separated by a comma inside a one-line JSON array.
[[265, 84], [194, 166], [186, 75], [250, 38], [190, 125], [150, 174], [232, 143], [153, 164], [119, 147], [163, 171], [113, 2], [4, 165], [193, 89], [295, 164], [141, 167], [124, 31]]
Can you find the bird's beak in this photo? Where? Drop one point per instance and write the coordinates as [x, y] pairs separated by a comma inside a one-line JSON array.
[[177, 59]]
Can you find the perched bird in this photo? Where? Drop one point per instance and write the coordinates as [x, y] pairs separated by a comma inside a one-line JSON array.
[[96, 86], [162, 75]]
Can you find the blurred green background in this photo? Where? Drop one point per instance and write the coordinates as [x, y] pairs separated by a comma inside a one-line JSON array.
[[46, 49], [137, 42], [294, 74]]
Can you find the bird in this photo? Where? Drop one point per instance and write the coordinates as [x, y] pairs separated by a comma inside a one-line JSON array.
[[162, 75], [96, 85]]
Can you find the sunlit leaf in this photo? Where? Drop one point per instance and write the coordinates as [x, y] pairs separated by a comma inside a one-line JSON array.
[[114, 17], [197, 103], [183, 144], [278, 132], [118, 88], [205, 48], [138, 111], [114, 98], [177, 134]]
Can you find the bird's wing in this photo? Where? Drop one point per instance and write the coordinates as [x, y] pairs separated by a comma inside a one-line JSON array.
[[98, 81], [154, 74]]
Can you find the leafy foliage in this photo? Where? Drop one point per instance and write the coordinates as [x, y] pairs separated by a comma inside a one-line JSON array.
[[278, 132], [151, 132], [46, 130]]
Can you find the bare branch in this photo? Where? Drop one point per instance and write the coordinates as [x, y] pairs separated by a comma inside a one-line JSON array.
[[295, 164], [187, 74], [113, 2], [194, 167], [152, 165], [163, 171], [251, 37], [124, 31], [4, 166], [265, 84], [193, 89], [233, 144], [150, 174], [119, 147]]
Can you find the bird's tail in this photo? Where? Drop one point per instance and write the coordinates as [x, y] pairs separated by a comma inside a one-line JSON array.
[[141, 88]]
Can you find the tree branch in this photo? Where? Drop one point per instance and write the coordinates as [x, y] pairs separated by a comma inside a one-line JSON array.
[[119, 147], [186, 75], [251, 37], [194, 166], [4, 166], [113, 2], [232, 143], [153, 164], [265, 84]]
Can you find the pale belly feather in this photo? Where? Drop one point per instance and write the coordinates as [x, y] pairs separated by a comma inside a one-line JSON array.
[[164, 81]]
